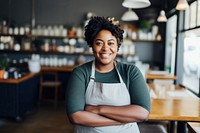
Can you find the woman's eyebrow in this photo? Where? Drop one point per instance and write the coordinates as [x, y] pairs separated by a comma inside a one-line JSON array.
[[111, 40], [102, 40]]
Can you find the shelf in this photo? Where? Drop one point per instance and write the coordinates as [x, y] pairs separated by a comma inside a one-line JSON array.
[[56, 52], [77, 37], [12, 35], [138, 40], [44, 36], [41, 36], [43, 52], [40, 45]]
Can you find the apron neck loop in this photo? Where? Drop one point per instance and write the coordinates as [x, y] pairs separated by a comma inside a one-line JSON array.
[[93, 71], [92, 77]]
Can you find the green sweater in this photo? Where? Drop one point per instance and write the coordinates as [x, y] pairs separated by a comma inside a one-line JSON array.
[[131, 75]]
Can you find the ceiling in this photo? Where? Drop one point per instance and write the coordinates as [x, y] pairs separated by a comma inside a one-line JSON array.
[[167, 4], [156, 5], [73, 12]]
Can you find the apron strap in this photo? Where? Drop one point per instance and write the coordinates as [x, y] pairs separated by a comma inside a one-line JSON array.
[[120, 78], [92, 76]]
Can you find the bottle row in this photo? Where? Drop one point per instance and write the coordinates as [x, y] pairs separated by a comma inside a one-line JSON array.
[[66, 45], [41, 30], [75, 31], [143, 34]]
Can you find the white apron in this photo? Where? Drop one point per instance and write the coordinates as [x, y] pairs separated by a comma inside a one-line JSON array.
[[114, 94]]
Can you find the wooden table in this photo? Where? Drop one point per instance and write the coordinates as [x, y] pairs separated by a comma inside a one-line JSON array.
[[173, 108], [169, 91], [158, 76]]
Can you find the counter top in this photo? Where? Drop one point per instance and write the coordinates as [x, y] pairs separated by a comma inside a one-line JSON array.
[[70, 68], [15, 81], [175, 109], [154, 76], [30, 75], [65, 68]]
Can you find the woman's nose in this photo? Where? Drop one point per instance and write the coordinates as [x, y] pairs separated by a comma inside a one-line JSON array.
[[105, 46]]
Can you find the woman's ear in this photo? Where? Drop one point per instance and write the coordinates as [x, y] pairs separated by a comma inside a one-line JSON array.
[[118, 47], [92, 48]]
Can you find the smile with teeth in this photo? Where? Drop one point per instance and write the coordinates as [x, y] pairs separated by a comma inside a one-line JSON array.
[[105, 55]]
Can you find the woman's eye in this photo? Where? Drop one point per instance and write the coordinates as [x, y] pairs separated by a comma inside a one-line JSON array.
[[99, 43], [111, 43]]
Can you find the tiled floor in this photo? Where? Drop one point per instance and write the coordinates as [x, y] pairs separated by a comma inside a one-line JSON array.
[[45, 119]]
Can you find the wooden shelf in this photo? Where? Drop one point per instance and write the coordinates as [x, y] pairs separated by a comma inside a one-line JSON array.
[[76, 37], [54, 36], [12, 35], [138, 40], [42, 36], [55, 52]]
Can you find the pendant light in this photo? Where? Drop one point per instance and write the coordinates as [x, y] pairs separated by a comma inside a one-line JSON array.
[[182, 5], [136, 3], [129, 15], [162, 17]]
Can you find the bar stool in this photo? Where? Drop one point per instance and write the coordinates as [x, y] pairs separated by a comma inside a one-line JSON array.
[[49, 80]]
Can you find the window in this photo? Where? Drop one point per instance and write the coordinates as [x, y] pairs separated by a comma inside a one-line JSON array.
[[170, 49], [193, 14], [198, 13], [189, 47], [187, 19], [191, 62]]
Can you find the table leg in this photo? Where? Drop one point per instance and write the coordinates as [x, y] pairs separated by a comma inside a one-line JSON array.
[[181, 127], [172, 127]]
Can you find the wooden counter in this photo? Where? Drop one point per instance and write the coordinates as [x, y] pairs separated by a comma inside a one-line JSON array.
[[169, 91], [15, 81], [174, 104], [18, 96], [175, 109], [167, 77], [70, 68], [59, 69], [30, 75]]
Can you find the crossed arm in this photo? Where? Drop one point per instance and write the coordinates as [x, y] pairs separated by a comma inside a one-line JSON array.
[[104, 115]]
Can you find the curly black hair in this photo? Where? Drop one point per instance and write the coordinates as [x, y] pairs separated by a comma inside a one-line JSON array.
[[96, 24]]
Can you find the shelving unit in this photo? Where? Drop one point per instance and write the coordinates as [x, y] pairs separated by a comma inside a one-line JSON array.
[[31, 38], [59, 45]]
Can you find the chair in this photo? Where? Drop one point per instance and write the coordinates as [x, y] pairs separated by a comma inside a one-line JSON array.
[[49, 80], [193, 127], [152, 128]]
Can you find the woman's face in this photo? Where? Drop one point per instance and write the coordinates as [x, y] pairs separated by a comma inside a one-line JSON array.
[[105, 47]]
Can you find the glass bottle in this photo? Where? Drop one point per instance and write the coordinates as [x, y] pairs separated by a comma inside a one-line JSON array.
[[4, 28]]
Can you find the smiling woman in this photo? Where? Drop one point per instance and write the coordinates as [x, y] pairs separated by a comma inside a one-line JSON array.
[[105, 47], [105, 95]]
